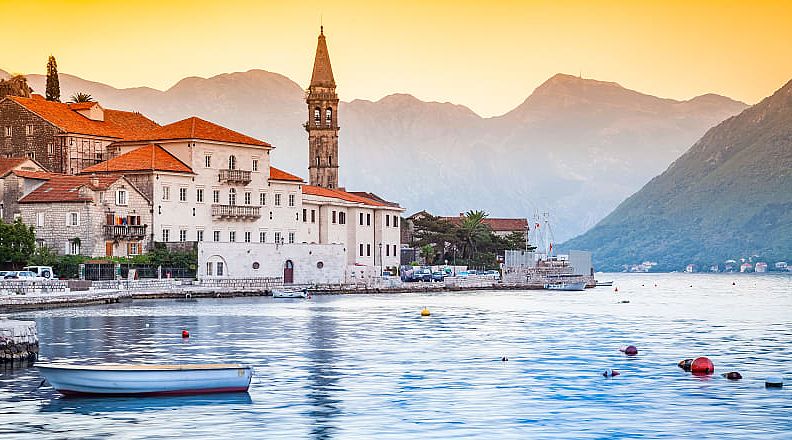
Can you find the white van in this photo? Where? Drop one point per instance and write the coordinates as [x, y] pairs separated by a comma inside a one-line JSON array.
[[44, 272]]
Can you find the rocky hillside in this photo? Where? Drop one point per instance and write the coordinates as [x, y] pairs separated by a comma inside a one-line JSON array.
[[728, 196]]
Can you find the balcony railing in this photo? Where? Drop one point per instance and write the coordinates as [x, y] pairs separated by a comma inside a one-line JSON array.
[[236, 212], [234, 176], [125, 231]]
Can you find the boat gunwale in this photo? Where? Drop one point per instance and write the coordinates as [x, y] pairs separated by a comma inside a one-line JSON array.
[[143, 367]]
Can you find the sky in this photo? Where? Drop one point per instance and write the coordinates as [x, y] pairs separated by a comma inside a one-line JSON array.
[[487, 55]]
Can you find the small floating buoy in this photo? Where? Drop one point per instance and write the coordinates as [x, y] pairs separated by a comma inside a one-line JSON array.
[[147, 325], [774, 382], [615, 289], [504, 359], [610, 373], [425, 312], [624, 301], [629, 350], [733, 283], [185, 334], [643, 285], [685, 364], [732, 375], [702, 366]]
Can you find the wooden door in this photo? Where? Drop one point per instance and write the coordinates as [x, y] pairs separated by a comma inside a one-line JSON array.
[[108, 248], [288, 272]]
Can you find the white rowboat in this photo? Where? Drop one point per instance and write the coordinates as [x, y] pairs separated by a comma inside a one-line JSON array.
[[563, 285], [290, 293], [146, 380]]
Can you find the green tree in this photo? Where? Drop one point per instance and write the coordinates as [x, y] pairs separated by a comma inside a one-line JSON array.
[[80, 97], [53, 85], [17, 243], [472, 231]]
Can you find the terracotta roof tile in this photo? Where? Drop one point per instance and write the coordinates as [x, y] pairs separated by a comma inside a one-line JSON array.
[[195, 128], [338, 194], [497, 224], [81, 105], [148, 158], [65, 188], [41, 175], [116, 124], [9, 163], [376, 198], [276, 174]]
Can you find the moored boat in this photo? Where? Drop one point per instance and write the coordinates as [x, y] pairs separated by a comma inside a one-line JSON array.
[[146, 380], [284, 293], [604, 283], [567, 286]]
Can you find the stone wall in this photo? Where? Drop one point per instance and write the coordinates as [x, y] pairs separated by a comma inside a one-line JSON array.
[[18, 341], [20, 144]]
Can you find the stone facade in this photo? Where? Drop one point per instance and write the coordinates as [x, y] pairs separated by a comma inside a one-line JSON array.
[[322, 125], [25, 134]]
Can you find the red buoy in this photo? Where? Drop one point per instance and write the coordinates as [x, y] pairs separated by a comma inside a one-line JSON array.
[[702, 366], [185, 334], [630, 350]]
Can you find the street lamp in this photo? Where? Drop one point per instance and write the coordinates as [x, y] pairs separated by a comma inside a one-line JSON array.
[[380, 252]]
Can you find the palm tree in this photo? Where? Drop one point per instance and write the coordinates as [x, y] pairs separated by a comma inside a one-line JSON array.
[[81, 97], [473, 230]]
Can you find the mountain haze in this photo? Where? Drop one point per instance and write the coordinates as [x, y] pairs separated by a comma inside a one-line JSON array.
[[728, 196], [575, 147]]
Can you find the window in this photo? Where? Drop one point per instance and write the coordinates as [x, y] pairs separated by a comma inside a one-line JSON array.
[[277, 238], [255, 164], [208, 161], [247, 236], [165, 193], [330, 161], [216, 235], [305, 217], [134, 249], [183, 235], [121, 197], [51, 148], [317, 161], [387, 251], [361, 219], [31, 154], [220, 268], [74, 247], [329, 117], [232, 236], [395, 222], [232, 196], [199, 195], [291, 237], [216, 196], [40, 219], [29, 129], [165, 234], [334, 217], [209, 268], [8, 131], [387, 220], [317, 116], [394, 250], [277, 199], [262, 199], [368, 250], [199, 235], [361, 249], [313, 216], [232, 162], [247, 197], [291, 199], [262, 237], [74, 219], [342, 218], [368, 219]]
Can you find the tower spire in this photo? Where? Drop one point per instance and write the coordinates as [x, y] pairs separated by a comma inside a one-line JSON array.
[[322, 70], [322, 125]]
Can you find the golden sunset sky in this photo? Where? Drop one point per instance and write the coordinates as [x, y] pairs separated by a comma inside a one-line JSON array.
[[488, 56]]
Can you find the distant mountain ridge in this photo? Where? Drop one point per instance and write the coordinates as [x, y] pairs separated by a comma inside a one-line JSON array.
[[729, 196], [575, 147]]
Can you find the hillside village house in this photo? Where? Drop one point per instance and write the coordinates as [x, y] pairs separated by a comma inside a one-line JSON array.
[[17, 178]]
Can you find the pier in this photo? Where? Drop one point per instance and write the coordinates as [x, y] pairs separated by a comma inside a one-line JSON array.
[[18, 341]]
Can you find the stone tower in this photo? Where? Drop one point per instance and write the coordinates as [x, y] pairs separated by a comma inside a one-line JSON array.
[[322, 125]]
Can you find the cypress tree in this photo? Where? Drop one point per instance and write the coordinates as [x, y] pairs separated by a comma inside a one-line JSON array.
[[53, 86]]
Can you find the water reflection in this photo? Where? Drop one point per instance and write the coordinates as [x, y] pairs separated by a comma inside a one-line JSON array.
[[97, 405], [322, 374]]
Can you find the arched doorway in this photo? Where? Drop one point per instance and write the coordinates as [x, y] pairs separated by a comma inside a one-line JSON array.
[[288, 272]]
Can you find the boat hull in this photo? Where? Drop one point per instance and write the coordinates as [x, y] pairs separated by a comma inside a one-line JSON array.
[[144, 380], [566, 286], [289, 294]]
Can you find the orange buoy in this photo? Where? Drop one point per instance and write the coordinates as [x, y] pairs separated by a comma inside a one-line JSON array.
[[185, 334], [702, 366]]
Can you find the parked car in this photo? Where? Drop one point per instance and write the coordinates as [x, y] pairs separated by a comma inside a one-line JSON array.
[[422, 274], [438, 276], [45, 272], [494, 274], [24, 275]]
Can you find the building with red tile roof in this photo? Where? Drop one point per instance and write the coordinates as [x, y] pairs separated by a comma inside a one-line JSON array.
[[147, 158], [277, 174], [195, 128]]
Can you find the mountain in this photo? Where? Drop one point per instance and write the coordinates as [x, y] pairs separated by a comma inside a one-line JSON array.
[[575, 147], [728, 196]]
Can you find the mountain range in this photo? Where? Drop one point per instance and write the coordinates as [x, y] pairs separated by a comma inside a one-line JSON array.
[[728, 197], [575, 147]]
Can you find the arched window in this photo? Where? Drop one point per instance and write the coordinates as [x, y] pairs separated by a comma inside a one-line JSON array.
[[232, 162], [329, 117], [317, 161], [232, 195], [317, 116]]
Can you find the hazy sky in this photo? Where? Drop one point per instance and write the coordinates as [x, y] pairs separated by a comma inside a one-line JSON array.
[[488, 55]]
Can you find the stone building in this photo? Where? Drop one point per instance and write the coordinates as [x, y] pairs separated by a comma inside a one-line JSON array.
[[63, 138], [95, 215], [322, 125], [18, 176]]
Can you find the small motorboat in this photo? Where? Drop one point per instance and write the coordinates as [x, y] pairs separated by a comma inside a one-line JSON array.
[[564, 285], [294, 293], [146, 380], [604, 283]]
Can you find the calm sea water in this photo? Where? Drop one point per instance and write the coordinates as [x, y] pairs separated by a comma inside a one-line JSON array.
[[371, 367]]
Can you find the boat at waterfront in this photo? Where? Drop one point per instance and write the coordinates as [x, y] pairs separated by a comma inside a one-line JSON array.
[[566, 285], [146, 380], [284, 293], [604, 284]]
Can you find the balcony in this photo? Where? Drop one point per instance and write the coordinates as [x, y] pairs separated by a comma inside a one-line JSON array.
[[234, 176], [236, 212], [125, 232]]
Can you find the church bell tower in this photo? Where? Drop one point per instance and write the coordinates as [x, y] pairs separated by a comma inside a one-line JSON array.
[[322, 125]]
